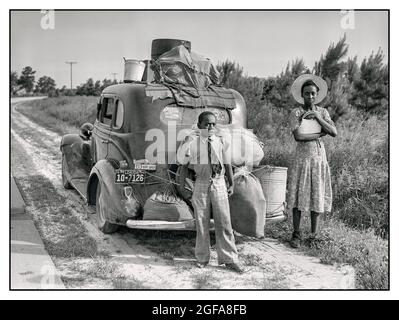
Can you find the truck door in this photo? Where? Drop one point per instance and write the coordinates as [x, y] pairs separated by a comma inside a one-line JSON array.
[[101, 132], [117, 145]]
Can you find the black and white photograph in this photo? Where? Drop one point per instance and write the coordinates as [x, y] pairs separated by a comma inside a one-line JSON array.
[[199, 150]]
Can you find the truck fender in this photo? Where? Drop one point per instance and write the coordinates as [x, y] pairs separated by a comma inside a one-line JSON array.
[[119, 208], [68, 140], [77, 156]]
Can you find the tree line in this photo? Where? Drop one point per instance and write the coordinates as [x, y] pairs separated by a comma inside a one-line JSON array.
[[352, 86], [25, 83]]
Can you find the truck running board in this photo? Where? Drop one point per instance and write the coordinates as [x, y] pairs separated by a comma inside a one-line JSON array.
[[183, 225], [164, 225], [161, 225]]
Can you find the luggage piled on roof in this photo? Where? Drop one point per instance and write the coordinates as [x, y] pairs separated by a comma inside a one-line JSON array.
[[179, 66]]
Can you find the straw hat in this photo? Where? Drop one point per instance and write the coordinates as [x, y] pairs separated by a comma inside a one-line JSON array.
[[297, 85]]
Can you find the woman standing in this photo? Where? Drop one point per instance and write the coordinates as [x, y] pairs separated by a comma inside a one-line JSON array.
[[310, 183]]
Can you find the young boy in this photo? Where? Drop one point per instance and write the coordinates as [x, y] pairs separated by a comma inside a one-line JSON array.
[[206, 153]]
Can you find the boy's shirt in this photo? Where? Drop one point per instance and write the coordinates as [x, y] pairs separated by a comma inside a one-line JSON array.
[[195, 152]]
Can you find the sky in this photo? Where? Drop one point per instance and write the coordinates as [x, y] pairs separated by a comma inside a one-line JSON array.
[[262, 42]]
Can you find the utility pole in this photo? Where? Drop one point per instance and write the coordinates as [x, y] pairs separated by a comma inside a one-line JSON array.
[[71, 63], [114, 74]]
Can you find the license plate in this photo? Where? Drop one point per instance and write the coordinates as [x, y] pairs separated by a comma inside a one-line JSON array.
[[129, 176]]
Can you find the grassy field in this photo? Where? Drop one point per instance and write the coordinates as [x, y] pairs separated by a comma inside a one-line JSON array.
[[357, 229], [63, 114]]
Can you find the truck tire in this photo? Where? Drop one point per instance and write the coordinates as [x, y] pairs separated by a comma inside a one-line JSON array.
[[105, 226], [65, 181]]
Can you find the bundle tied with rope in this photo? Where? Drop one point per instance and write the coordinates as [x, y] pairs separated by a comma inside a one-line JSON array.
[[166, 205]]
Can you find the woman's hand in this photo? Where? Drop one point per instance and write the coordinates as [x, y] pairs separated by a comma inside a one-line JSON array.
[[312, 115]]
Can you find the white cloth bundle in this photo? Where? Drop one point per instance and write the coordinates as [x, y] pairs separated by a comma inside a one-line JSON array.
[[242, 146]]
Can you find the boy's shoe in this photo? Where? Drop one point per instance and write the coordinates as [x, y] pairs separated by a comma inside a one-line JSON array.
[[295, 241], [235, 267], [202, 265]]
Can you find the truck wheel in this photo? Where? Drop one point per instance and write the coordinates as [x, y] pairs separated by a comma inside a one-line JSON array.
[[65, 181], [102, 223]]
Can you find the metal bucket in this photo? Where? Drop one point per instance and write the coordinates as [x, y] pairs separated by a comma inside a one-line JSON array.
[[273, 181], [134, 70]]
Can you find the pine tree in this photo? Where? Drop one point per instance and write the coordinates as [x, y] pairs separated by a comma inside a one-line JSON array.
[[371, 88], [334, 71], [27, 79], [276, 90], [352, 70], [230, 74], [45, 85], [13, 82], [86, 89], [329, 65]]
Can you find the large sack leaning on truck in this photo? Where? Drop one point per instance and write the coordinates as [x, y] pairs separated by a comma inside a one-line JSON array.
[[166, 206], [247, 205]]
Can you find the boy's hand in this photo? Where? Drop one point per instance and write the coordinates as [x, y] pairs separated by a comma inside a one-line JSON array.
[[193, 135], [230, 190]]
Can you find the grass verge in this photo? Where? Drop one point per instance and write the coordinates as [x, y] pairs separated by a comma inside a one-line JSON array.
[[338, 243], [67, 241], [64, 236]]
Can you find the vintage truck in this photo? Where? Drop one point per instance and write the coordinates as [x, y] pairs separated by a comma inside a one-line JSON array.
[[110, 169]]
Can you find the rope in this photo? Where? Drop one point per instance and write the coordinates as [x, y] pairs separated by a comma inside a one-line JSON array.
[[166, 180], [163, 179], [283, 204], [268, 168]]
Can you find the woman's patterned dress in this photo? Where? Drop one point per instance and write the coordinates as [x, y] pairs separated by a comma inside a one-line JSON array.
[[309, 187]]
